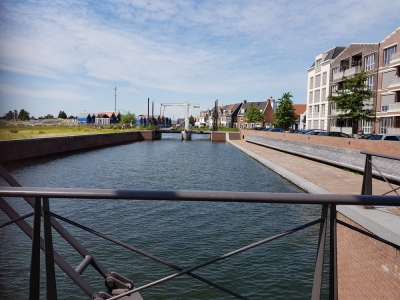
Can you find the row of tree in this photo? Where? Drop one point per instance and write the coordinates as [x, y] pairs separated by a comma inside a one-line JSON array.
[[24, 115], [352, 100]]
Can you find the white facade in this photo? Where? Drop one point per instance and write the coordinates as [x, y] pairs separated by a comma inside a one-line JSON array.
[[318, 90]]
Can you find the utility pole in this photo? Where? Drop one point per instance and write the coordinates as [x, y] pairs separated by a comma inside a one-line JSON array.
[[115, 89]]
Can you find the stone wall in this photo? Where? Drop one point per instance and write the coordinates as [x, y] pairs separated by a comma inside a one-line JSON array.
[[343, 152], [21, 149], [367, 268]]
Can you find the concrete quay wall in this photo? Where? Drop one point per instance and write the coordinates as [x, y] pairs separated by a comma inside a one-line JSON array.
[[343, 152], [28, 148]]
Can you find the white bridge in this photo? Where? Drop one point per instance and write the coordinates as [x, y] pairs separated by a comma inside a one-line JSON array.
[[186, 134]]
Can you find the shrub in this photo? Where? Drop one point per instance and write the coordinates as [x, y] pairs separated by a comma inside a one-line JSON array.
[[14, 130], [41, 132]]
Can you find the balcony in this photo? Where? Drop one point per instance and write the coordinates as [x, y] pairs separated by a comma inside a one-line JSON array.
[[347, 72], [394, 107], [395, 60], [394, 84]]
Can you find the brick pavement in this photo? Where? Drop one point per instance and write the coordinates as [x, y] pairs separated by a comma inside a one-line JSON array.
[[333, 179]]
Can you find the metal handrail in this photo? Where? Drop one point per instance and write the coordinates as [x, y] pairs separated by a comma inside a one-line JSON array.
[[215, 196], [211, 196]]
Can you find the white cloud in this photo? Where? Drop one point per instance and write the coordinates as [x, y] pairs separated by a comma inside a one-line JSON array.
[[193, 47]]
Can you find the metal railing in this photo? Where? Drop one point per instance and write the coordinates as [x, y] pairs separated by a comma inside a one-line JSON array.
[[119, 286]]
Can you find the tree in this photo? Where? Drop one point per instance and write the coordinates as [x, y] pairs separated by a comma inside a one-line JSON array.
[[23, 115], [9, 116], [253, 115], [191, 121], [62, 115], [128, 118], [284, 115], [49, 116], [353, 100]]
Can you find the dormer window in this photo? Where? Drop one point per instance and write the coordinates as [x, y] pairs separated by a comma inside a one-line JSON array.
[[318, 65]]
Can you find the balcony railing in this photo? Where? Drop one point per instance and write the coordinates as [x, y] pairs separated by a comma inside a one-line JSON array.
[[395, 57], [347, 72], [395, 81], [394, 107]]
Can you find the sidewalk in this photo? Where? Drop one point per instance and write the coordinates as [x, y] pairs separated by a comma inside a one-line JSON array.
[[319, 178], [312, 176]]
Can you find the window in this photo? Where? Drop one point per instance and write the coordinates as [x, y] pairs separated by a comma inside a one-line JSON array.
[[252, 125], [333, 105], [310, 100], [369, 62], [324, 78], [322, 109], [323, 96], [246, 125], [311, 82], [385, 124], [241, 118], [385, 108], [335, 70], [334, 88], [366, 126], [316, 110], [317, 95], [317, 81], [387, 54], [318, 65], [370, 82]]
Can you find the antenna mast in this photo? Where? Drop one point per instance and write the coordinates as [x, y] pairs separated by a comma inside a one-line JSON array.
[[115, 89]]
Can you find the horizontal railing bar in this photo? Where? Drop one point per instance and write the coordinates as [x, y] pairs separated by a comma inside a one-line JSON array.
[[381, 155], [216, 196]]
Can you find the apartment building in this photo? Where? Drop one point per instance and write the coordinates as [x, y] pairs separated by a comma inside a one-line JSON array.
[[388, 92], [318, 89], [354, 59]]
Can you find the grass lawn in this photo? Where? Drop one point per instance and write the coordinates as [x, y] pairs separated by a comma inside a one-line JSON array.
[[32, 132]]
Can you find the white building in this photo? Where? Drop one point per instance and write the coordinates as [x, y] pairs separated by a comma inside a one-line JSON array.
[[318, 89]]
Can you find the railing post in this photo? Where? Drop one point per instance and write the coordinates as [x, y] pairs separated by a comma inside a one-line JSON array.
[[319, 265], [51, 288], [333, 278], [34, 278], [367, 176]]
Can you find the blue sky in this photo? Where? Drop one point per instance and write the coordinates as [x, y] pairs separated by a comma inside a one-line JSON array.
[[68, 55]]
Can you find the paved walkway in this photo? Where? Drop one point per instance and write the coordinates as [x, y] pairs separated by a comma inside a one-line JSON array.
[[320, 178], [314, 177]]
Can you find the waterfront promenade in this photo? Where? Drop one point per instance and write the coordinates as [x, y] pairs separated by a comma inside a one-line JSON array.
[[312, 176]]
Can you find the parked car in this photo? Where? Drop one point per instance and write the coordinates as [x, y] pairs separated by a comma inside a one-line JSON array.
[[259, 128], [314, 131], [334, 133], [365, 136], [385, 137], [275, 130]]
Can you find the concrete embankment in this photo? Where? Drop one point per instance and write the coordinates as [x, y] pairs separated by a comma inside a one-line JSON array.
[[28, 148]]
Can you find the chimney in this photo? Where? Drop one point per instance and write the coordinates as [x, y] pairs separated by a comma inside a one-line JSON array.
[[244, 101]]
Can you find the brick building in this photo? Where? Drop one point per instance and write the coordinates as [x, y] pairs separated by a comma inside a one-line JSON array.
[[388, 87], [354, 59], [267, 108]]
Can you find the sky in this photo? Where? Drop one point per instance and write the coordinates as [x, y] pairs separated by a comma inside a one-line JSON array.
[[67, 55]]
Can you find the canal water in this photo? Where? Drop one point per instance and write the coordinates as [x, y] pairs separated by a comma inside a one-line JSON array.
[[183, 233]]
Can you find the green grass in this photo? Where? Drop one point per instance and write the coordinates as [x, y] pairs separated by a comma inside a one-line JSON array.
[[13, 132]]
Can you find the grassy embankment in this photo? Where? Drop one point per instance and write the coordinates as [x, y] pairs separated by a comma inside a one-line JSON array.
[[33, 132]]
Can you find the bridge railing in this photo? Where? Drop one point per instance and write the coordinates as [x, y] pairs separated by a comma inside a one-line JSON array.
[[118, 286]]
